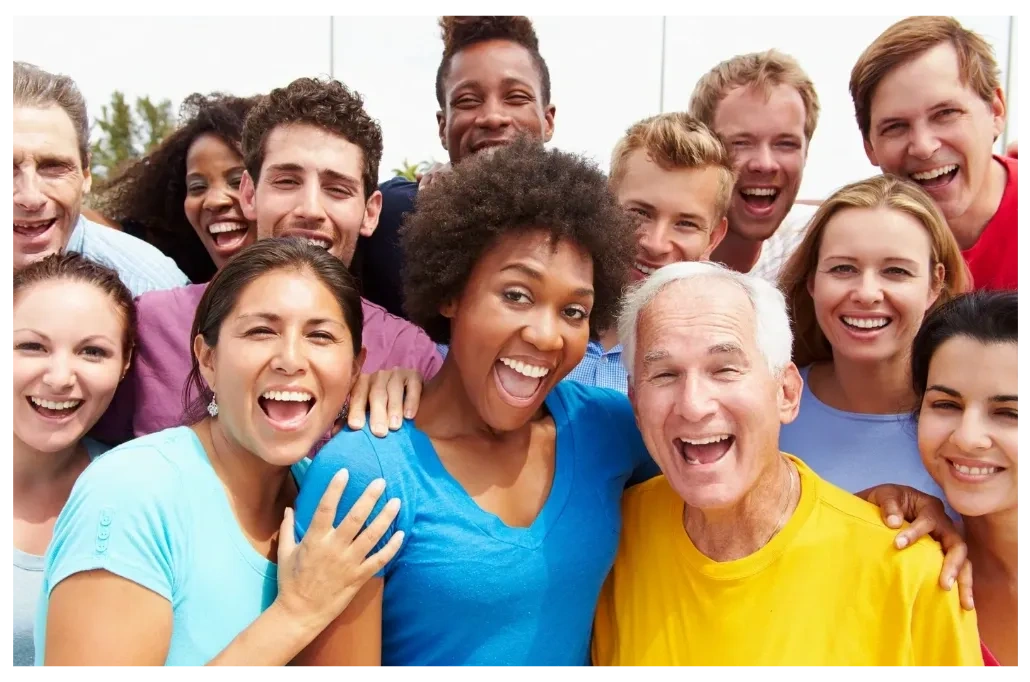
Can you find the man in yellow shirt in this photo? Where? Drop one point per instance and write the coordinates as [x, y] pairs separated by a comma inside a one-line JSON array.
[[739, 554]]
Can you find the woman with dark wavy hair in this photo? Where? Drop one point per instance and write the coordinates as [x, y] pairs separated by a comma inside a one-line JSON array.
[[184, 195]]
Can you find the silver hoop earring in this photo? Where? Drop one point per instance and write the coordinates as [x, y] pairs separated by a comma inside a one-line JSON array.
[[212, 407]]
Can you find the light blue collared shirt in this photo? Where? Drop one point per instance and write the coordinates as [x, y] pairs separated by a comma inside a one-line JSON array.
[[598, 367], [139, 265]]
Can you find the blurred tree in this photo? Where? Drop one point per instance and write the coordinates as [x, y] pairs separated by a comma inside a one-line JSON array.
[[411, 170], [125, 135]]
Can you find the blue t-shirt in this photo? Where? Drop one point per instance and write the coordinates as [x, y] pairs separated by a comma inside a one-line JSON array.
[[856, 451], [153, 511], [467, 589]]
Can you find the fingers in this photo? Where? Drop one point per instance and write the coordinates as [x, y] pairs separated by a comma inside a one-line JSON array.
[[890, 510], [955, 555], [965, 585], [412, 395], [287, 539], [364, 543], [395, 389], [358, 403], [378, 401], [378, 561], [325, 512], [359, 512], [923, 525]]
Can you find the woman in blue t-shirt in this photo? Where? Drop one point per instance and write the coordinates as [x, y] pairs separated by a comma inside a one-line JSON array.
[[168, 550], [509, 479]]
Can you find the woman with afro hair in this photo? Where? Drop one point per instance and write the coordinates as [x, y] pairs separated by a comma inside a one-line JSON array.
[[509, 479]]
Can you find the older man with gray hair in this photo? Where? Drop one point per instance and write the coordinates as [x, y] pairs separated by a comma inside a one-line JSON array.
[[739, 554]]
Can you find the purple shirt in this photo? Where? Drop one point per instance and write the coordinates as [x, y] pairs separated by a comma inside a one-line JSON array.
[[149, 399]]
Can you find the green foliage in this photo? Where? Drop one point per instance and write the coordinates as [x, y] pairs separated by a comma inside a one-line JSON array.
[[127, 133], [412, 170]]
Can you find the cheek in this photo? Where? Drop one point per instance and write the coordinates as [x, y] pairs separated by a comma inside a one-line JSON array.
[[191, 207]]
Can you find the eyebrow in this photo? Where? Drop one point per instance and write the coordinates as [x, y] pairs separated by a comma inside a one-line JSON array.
[[1001, 398], [273, 318], [728, 348], [506, 82], [535, 274], [851, 259], [653, 356], [327, 172]]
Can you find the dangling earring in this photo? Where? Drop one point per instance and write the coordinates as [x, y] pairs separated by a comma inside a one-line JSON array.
[[212, 407]]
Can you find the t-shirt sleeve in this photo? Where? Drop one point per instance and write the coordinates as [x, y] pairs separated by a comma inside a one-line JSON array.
[[943, 633], [623, 425], [124, 516], [363, 455]]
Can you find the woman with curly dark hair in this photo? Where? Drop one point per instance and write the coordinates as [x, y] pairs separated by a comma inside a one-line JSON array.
[[184, 195], [509, 478]]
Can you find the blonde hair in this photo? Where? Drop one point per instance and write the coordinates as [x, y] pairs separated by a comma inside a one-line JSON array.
[[910, 38], [881, 191], [675, 141], [760, 70]]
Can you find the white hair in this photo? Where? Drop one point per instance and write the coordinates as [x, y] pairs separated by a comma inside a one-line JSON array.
[[772, 325]]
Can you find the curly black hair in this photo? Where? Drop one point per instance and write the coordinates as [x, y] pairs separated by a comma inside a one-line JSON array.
[[461, 32], [326, 104], [150, 193], [518, 188]]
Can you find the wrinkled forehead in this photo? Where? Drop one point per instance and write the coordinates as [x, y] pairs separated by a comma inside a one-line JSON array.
[[694, 314]]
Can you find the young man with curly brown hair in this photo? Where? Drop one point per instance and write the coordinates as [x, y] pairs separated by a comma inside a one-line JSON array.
[[312, 156], [492, 85]]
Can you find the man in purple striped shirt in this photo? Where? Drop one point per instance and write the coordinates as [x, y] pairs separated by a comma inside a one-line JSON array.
[[312, 157]]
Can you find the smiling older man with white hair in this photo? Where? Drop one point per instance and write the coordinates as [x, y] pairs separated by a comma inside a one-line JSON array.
[[739, 554]]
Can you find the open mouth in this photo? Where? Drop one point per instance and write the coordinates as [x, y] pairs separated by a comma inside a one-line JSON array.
[[936, 178], [54, 409], [228, 235], [707, 450], [974, 474], [759, 199], [645, 270], [319, 242], [865, 324], [33, 228], [286, 410], [519, 382]]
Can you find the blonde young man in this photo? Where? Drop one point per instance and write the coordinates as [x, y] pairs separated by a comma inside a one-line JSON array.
[[673, 175], [764, 108], [739, 554], [929, 104]]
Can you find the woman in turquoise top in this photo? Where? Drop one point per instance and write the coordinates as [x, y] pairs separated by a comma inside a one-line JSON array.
[[74, 325], [169, 550]]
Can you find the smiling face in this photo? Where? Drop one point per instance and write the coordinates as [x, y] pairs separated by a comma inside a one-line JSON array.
[[765, 135], [873, 282], [968, 423], [68, 359], [492, 93], [212, 205], [310, 186], [521, 324], [708, 406], [929, 127], [283, 366], [676, 210], [49, 182]]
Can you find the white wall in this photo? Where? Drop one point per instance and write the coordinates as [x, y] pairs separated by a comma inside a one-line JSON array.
[[606, 72]]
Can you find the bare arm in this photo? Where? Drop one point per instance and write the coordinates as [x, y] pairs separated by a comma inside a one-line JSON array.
[[355, 637]]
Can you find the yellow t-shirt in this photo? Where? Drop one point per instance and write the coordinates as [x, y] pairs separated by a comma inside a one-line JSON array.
[[829, 589]]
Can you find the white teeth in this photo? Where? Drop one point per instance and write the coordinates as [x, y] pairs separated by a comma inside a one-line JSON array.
[[287, 396], [645, 269], [936, 173], [759, 191], [322, 243], [58, 405], [705, 441], [975, 471], [526, 370], [31, 225], [218, 228], [866, 322]]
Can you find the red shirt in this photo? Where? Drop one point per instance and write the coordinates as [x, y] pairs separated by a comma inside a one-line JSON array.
[[994, 259], [989, 658]]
